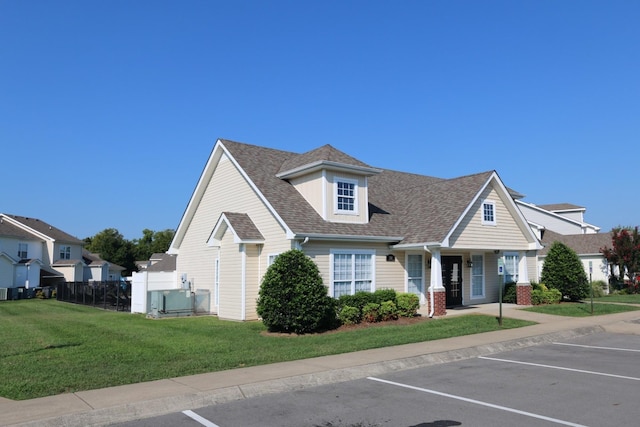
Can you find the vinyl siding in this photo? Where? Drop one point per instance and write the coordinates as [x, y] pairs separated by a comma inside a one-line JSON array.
[[227, 191], [505, 234], [387, 275], [310, 187], [254, 273]]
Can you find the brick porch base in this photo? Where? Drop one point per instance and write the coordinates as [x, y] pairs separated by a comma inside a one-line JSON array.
[[439, 302], [523, 294]]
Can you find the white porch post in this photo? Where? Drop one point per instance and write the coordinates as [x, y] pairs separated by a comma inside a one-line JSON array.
[[523, 272], [435, 281]]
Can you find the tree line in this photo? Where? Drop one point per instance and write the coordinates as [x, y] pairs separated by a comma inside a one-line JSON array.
[[111, 245]]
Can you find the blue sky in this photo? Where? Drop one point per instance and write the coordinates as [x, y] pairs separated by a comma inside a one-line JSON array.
[[109, 109]]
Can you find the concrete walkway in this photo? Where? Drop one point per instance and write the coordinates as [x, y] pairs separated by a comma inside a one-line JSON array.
[[125, 403]]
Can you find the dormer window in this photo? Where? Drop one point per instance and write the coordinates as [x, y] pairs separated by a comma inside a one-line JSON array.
[[346, 191]]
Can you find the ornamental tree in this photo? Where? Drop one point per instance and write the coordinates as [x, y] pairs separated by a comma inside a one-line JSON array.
[[625, 252], [563, 270]]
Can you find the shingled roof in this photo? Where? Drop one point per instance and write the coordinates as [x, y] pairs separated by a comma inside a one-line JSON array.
[[582, 244], [43, 228], [403, 207]]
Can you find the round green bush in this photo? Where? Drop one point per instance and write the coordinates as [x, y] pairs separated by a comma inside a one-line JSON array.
[[371, 312], [388, 311], [563, 270], [407, 304], [510, 293], [292, 297], [349, 315]]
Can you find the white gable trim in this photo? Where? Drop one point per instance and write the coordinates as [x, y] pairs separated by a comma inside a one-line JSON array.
[[218, 151], [534, 244], [222, 225], [26, 228]]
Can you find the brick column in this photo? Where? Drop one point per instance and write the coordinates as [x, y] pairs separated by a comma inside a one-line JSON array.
[[523, 294], [439, 302]]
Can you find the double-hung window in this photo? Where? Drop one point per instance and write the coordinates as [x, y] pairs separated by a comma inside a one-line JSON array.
[[488, 213], [510, 268], [23, 251], [352, 271], [65, 252], [345, 193]]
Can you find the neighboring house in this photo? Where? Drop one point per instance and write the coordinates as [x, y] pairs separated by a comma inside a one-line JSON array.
[[154, 259], [561, 218], [366, 228], [564, 222], [587, 246], [97, 269], [34, 253]]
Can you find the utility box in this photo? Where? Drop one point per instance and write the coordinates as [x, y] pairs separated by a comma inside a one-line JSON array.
[[171, 303]]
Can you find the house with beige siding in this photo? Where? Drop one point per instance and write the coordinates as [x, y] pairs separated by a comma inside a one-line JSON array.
[[365, 227]]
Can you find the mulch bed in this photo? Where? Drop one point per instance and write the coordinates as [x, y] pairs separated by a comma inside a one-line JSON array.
[[363, 325]]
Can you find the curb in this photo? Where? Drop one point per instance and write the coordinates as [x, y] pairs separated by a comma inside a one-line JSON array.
[[167, 405]]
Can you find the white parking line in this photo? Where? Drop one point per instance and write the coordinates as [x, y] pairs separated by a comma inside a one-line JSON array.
[[478, 402], [598, 348], [560, 368], [205, 422]]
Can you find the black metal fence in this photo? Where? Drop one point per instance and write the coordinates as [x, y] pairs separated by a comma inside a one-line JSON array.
[[107, 295]]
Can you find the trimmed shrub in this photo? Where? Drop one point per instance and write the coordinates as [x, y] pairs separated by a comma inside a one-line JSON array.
[[407, 304], [388, 311], [292, 297], [371, 312], [382, 295], [349, 315], [358, 300], [563, 270], [510, 293], [598, 288], [551, 296]]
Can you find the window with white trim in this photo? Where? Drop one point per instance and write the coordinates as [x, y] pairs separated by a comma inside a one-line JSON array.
[[511, 267], [477, 276], [23, 252], [351, 272], [65, 252], [488, 213], [414, 274], [271, 259], [345, 192]]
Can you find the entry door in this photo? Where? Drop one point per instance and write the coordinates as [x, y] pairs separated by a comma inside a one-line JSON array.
[[452, 279]]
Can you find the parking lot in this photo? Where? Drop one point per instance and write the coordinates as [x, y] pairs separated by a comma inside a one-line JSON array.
[[590, 381]]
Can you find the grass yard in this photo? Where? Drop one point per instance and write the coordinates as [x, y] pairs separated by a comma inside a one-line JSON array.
[[581, 309], [48, 347], [626, 299]]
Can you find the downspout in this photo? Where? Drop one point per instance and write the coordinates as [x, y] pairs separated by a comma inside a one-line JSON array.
[[304, 242], [431, 296]]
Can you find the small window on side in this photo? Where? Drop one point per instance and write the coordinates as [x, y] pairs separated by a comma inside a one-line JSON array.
[[488, 213]]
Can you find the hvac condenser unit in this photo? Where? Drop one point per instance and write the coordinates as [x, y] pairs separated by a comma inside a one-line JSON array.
[[171, 303]]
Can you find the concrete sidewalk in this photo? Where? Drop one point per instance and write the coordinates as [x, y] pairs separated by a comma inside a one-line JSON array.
[[125, 403]]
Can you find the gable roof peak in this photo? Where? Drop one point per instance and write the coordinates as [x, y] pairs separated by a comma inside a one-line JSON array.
[[324, 157]]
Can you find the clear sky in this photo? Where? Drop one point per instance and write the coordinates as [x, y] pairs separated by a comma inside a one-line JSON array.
[[110, 109]]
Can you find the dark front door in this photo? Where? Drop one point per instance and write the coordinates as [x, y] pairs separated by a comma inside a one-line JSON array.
[[452, 279]]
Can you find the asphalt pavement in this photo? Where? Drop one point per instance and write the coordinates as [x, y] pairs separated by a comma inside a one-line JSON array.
[[124, 403]]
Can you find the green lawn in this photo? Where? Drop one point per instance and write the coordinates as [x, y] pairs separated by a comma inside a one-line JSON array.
[[628, 299], [580, 309], [48, 347]]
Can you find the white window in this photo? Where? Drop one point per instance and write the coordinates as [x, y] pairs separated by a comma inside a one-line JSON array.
[[271, 259], [477, 276], [346, 191], [488, 213], [414, 274], [510, 268], [352, 271], [23, 251], [65, 252]]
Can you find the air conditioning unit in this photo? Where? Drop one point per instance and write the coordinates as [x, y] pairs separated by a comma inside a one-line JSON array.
[[3, 294]]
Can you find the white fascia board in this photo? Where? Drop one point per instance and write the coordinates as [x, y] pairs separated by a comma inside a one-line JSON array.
[[418, 246], [346, 237], [524, 225], [555, 215], [216, 154], [328, 165], [28, 229]]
